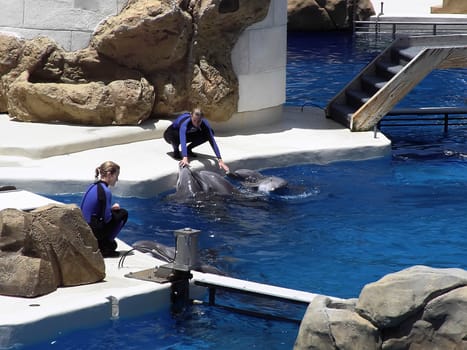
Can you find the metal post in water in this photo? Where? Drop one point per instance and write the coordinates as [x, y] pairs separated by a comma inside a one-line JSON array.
[[186, 258], [381, 12], [186, 249]]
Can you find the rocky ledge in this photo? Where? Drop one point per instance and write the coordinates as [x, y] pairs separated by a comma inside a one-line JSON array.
[[417, 308]]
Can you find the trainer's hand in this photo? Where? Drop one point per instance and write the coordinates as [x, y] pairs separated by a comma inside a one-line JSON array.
[[184, 162], [224, 166]]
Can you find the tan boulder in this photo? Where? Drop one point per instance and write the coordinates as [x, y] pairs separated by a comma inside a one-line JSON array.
[[376, 301], [58, 249], [147, 35], [13, 230], [26, 276], [26, 56], [11, 48], [314, 15], [331, 325], [416, 308], [451, 7], [118, 103]]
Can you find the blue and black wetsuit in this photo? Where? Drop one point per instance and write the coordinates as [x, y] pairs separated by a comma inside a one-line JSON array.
[[105, 222], [182, 131]]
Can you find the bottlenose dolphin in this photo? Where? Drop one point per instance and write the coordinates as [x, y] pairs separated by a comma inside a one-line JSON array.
[[187, 184], [191, 184], [215, 183], [167, 254], [258, 181]]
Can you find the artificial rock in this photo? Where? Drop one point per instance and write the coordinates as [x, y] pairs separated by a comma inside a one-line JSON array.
[[49, 247], [326, 15], [416, 308], [155, 58]]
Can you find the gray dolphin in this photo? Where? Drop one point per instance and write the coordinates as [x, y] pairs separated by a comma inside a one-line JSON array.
[[187, 184], [167, 254], [258, 181], [157, 250], [192, 183], [215, 183]]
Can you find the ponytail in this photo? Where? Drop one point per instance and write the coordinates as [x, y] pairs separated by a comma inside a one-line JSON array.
[[107, 167]]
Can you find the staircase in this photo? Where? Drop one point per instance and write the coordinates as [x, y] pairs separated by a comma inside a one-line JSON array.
[[392, 75]]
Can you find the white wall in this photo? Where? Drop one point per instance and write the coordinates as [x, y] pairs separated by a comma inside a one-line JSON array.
[[260, 60], [69, 22], [405, 7], [259, 57]]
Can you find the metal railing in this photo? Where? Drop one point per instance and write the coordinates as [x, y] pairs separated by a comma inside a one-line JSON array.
[[440, 116], [383, 27]]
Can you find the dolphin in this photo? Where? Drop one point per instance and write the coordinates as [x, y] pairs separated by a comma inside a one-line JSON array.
[[188, 186], [192, 184], [167, 254], [157, 250], [258, 181], [215, 183]]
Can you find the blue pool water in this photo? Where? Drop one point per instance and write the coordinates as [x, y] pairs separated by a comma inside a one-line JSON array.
[[338, 226]]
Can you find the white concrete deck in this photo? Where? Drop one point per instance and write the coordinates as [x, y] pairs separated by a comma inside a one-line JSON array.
[[25, 321], [413, 11]]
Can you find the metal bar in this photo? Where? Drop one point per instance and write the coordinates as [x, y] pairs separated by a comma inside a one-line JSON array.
[[415, 23], [417, 119], [428, 111], [212, 296], [257, 314], [254, 293]]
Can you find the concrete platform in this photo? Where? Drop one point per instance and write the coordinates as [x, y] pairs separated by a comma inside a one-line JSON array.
[[25, 321]]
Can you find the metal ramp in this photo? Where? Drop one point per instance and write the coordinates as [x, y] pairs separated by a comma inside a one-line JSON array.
[[392, 75]]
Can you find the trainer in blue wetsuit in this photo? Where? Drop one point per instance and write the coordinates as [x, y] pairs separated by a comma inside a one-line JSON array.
[[192, 128], [105, 219]]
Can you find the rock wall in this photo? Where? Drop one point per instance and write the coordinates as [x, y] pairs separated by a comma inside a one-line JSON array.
[[314, 15], [416, 308], [226, 81], [451, 6]]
